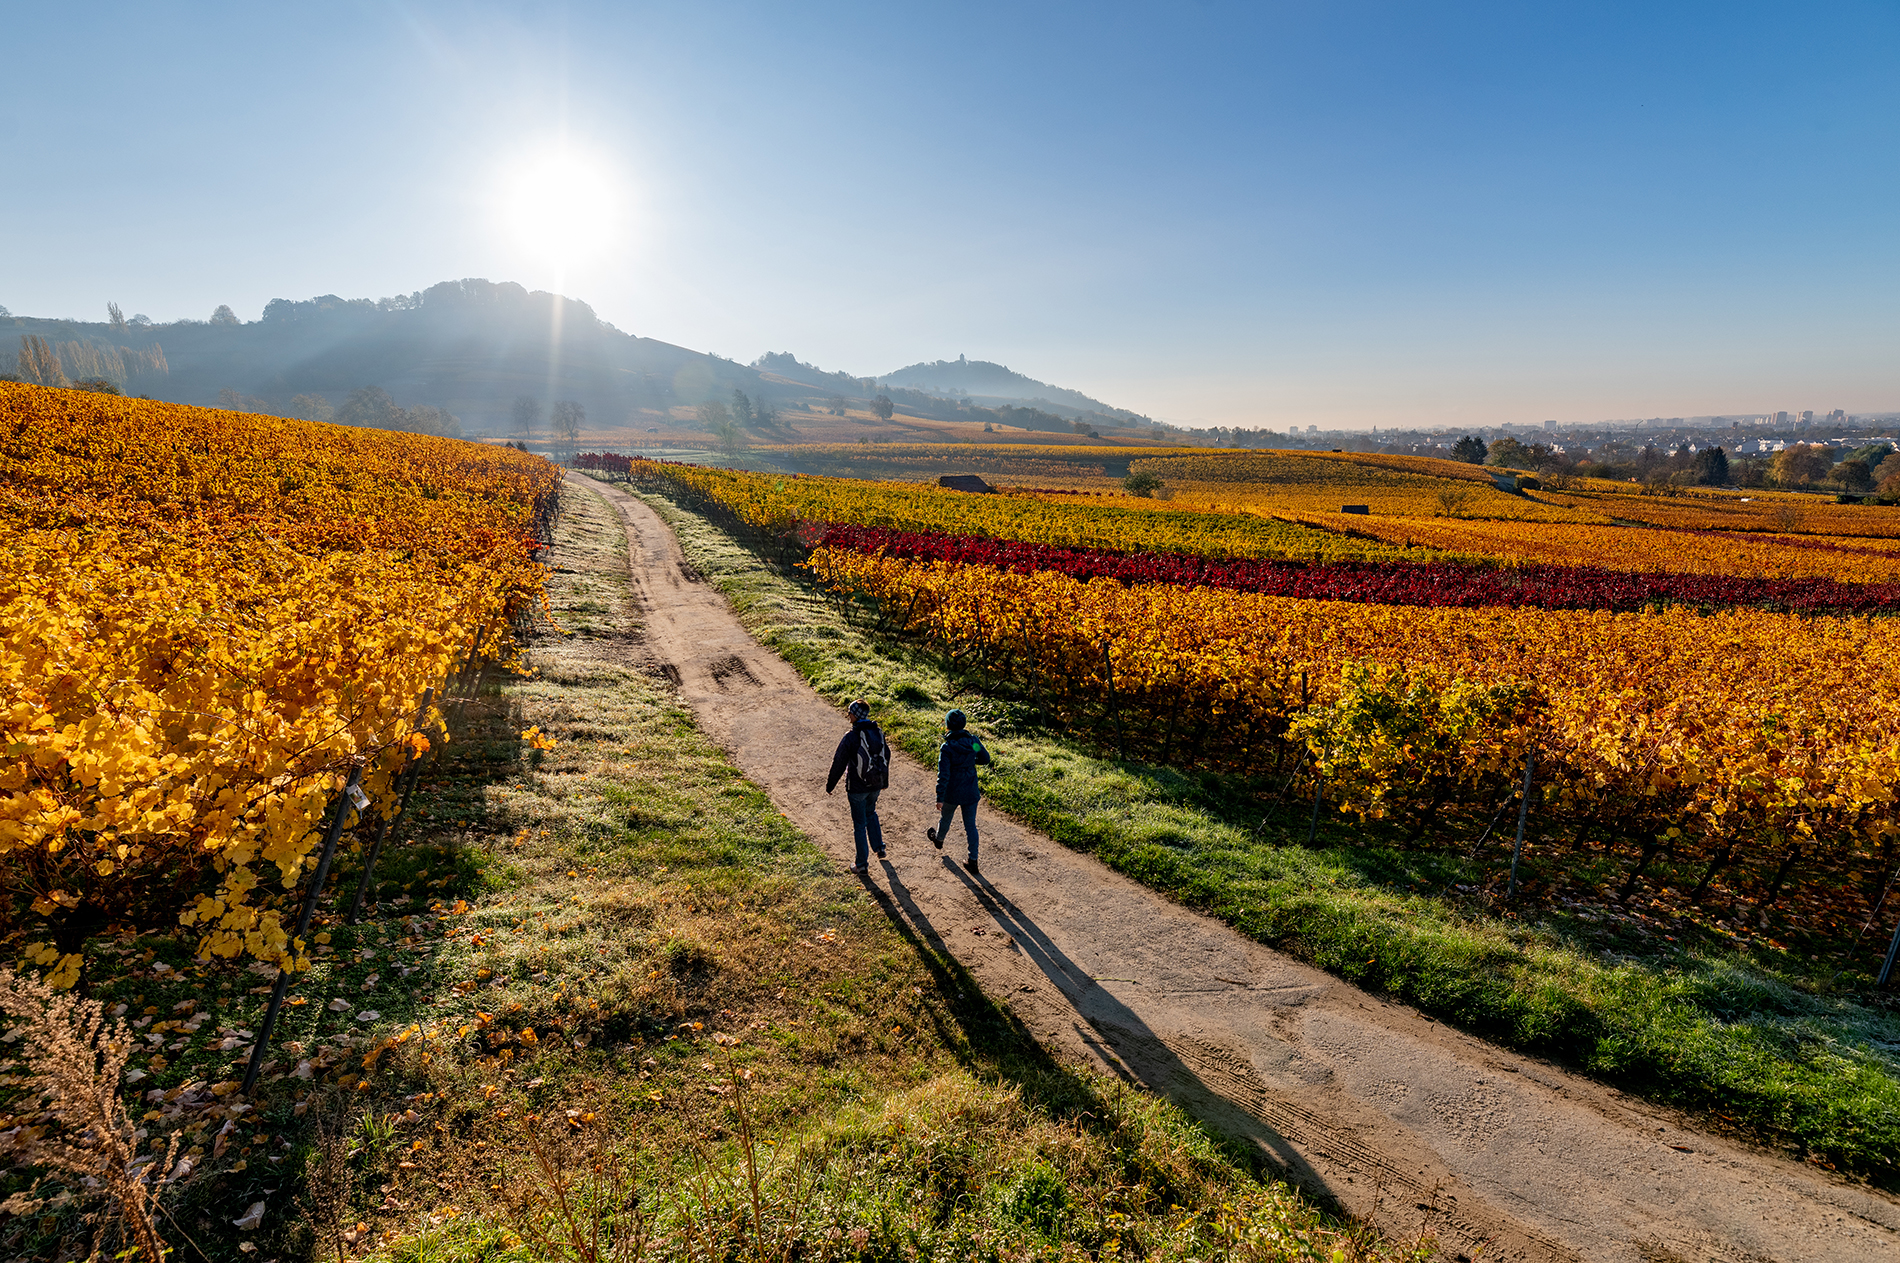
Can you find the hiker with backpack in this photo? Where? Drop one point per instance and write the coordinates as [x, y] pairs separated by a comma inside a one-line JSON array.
[[864, 761], [957, 760]]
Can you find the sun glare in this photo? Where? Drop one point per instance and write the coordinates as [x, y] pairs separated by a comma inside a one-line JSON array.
[[562, 206]]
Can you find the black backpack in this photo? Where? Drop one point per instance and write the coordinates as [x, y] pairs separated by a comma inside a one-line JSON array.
[[874, 759]]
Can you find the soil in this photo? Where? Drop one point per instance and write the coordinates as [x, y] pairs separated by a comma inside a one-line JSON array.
[[1389, 1115]]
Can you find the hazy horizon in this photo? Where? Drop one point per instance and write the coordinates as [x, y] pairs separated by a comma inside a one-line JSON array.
[[1249, 216]]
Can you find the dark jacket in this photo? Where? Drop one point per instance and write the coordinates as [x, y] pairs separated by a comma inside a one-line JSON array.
[[957, 761], [845, 762]]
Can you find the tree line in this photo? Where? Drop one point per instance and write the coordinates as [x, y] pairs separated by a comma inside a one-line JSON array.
[[89, 365], [1873, 467], [369, 407]]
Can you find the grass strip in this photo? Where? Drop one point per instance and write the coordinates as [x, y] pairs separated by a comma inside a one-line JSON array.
[[1755, 1045]]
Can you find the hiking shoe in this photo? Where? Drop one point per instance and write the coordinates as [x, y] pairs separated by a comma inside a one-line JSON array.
[[860, 868], [934, 839], [879, 852], [971, 865]]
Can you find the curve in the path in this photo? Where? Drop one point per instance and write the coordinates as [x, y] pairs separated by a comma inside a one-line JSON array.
[[1391, 1115]]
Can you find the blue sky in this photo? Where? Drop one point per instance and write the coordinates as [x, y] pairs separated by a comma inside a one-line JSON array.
[[1344, 215]]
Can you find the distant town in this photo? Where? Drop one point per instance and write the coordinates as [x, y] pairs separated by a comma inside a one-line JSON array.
[[1648, 449]]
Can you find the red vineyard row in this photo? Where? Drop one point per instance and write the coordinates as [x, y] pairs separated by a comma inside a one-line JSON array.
[[1532, 585]]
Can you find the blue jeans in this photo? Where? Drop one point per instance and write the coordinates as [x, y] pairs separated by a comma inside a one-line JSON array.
[[864, 824], [969, 824]]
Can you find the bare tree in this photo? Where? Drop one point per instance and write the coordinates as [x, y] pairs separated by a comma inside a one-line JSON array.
[[312, 408], [1453, 500], [527, 411], [567, 418]]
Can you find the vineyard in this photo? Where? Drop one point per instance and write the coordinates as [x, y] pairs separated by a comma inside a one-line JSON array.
[[1297, 484], [1717, 737], [1779, 512], [927, 460], [780, 506], [1291, 484], [1709, 728], [1747, 554], [213, 622]]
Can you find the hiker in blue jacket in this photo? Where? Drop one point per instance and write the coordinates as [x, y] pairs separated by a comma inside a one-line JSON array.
[[957, 760], [864, 760]]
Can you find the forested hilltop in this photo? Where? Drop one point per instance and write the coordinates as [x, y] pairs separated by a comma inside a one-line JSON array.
[[458, 357], [983, 382], [468, 347]]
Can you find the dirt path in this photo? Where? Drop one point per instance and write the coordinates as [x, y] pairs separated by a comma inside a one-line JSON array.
[[1393, 1115]]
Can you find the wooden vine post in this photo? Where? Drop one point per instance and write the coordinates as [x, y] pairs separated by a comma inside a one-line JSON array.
[[457, 689], [1886, 966], [1285, 788], [1319, 776], [412, 774], [344, 801], [1523, 814], [1319, 788]]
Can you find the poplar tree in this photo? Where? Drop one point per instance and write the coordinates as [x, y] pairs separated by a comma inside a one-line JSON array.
[[39, 362]]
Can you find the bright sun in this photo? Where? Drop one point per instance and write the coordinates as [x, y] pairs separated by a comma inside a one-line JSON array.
[[561, 206]]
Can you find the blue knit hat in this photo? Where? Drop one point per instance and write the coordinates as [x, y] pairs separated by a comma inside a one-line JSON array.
[[955, 720], [859, 709]]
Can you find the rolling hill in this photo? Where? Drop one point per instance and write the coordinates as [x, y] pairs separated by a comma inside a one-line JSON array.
[[988, 384]]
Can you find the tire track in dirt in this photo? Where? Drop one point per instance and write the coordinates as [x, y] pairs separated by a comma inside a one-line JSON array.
[[1389, 1114]]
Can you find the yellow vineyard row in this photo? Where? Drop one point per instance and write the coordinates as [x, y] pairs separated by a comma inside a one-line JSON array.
[[1759, 554], [206, 620], [1726, 727], [782, 504]]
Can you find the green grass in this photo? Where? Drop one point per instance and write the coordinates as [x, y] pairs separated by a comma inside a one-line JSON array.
[[1755, 1041], [596, 957]]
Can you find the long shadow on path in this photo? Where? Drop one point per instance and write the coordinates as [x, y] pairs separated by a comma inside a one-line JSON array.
[[1219, 1088]]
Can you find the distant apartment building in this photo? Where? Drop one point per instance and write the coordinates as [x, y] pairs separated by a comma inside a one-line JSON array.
[[1549, 426], [1837, 417], [1807, 418], [1777, 418]]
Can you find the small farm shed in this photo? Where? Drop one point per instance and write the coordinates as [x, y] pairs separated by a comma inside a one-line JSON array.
[[964, 482]]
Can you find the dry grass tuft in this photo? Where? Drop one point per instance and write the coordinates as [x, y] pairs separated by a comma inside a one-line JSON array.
[[74, 1121], [330, 1179], [573, 1200]]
